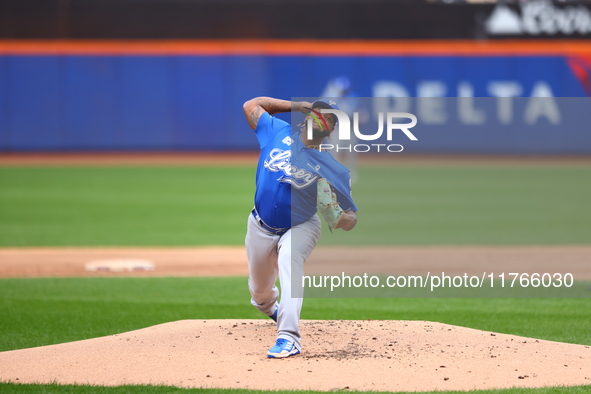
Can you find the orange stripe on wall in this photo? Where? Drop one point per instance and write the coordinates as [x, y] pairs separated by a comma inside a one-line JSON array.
[[292, 47]]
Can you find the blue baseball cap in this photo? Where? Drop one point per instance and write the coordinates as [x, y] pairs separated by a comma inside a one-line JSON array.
[[326, 104]]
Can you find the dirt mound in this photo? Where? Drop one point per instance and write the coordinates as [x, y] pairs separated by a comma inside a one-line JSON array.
[[354, 355]]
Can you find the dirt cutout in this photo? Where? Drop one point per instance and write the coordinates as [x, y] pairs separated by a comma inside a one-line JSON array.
[[337, 355], [231, 260]]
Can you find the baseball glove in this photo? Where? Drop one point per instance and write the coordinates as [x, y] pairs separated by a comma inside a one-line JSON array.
[[327, 204]]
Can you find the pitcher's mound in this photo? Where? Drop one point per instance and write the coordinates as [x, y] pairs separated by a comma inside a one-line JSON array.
[[351, 355]]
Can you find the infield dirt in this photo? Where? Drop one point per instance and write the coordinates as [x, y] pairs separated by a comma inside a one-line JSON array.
[[231, 260]]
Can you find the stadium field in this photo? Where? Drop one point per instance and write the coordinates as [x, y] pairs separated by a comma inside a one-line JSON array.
[[495, 204]]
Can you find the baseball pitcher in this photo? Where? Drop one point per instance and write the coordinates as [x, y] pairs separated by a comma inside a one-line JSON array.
[[295, 181]]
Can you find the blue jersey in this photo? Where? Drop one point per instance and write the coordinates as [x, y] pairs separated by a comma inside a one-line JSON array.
[[287, 173]]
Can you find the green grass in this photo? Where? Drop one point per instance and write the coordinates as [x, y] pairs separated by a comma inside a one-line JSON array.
[[124, 206], [26, 388], [46, 311], [204, 206], [472, 206]]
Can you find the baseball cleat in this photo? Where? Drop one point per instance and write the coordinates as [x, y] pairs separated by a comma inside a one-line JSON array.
[[282, 348], [274, 315]]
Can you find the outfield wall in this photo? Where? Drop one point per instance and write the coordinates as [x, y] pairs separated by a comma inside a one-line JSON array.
[[188, 95]]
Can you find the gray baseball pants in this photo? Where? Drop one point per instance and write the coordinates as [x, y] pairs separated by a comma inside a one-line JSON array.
[[271, 256]]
